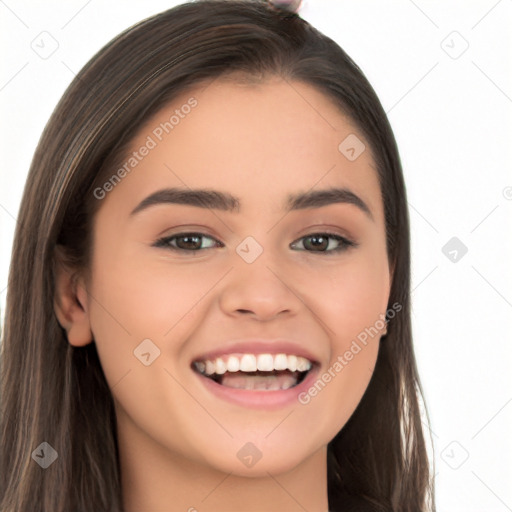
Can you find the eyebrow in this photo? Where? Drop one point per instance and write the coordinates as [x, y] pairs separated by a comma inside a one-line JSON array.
[[224, 201]]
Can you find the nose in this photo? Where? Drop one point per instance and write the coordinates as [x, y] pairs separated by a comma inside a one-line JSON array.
[[260, 290]]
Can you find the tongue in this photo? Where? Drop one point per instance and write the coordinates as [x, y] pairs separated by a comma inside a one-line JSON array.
[[264, 381]]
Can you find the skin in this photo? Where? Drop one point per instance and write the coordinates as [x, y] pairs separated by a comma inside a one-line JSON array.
[[178, 442]]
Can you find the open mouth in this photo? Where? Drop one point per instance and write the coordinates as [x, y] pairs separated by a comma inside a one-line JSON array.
[[262, 372]]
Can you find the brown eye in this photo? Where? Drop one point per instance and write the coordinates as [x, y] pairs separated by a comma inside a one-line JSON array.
[[321, 243], [185, 242]]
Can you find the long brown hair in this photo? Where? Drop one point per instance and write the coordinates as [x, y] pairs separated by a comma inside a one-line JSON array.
[[53, 392]]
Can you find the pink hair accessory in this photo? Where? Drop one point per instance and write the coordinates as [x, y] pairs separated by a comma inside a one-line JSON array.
[[287, 5]]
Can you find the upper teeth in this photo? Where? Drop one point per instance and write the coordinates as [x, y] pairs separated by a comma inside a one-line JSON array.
[[252, 363]]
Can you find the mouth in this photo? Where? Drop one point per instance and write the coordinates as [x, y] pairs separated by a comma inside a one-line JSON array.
[[256, 372]]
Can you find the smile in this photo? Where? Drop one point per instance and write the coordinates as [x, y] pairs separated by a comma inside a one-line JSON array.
[[263, 372]]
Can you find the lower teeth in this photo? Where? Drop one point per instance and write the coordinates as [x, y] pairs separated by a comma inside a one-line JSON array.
[[274, 381]]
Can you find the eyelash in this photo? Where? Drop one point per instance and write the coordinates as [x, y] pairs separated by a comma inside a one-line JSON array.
[[346, 243]]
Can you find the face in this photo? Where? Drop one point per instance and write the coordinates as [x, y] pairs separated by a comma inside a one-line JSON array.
[[175, 283]]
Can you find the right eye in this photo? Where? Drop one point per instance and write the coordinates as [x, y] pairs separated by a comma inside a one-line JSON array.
[[185, 242]]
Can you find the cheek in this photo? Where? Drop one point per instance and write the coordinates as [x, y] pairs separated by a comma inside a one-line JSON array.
[[351, 303], [134, 301], [354, 296]]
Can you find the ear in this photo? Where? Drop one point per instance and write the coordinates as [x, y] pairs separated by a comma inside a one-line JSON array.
[[71, 302]]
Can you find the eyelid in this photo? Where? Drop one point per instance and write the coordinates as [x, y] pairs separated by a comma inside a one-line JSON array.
[[186, 229], [327, 229]]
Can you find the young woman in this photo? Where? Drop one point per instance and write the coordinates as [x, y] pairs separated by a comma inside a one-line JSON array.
[[209, 297]]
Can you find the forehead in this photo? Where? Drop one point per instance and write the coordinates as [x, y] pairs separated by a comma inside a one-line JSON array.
[[260, 141]]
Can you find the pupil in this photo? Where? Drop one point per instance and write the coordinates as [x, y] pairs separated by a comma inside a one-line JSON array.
[[187, 240], [318, 241]]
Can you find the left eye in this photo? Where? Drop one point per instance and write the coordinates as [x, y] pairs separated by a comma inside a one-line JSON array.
[[316, 242], [321, 244]]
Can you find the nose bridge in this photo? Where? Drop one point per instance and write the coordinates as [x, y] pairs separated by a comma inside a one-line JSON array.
[[258, 283]]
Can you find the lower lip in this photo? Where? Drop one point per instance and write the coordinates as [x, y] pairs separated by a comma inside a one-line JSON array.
[[262, 400]]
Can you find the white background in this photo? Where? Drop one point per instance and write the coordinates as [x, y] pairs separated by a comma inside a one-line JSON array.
[[451, 114]]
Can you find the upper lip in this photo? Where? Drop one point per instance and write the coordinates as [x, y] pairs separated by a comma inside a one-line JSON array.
[[258, 346]]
